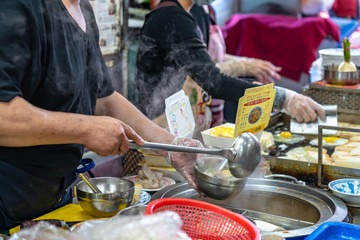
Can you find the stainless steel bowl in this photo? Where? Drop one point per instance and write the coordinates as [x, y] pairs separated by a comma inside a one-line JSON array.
[[117, 194], [333, 76], [214, 187]]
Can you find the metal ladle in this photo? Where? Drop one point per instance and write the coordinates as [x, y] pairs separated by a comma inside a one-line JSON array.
[[243, 157]]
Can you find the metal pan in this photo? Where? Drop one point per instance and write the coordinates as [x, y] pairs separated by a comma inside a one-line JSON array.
[[333, 76], [308, 172]]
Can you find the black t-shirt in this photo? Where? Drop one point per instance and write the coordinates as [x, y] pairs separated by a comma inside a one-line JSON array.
[[203, 20], [46, 58], [170, 48]]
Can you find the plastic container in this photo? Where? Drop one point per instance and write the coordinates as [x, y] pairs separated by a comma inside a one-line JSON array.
[[335, 230], [203, 220], [221, 142], [331, 56]]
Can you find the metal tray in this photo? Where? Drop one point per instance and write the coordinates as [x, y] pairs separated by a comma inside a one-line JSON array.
[[310, 172]]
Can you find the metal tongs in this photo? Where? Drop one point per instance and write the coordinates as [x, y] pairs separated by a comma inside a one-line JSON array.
[[243, 157]]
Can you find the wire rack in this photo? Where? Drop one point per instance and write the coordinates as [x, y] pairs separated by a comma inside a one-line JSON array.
[[347, 99]]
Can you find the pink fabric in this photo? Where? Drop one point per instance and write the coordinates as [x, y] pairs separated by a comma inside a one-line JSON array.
[[216, 46], [345, 8], [288, 42]]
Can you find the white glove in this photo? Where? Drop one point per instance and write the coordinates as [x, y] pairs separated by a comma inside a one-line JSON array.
[[184, 162], [302, 108], [263, 71]]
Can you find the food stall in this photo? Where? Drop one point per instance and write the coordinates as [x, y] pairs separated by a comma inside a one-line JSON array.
[[245, 198], [296, 198], [286, 196]]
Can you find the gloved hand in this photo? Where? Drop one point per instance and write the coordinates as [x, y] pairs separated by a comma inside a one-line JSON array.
[[302, 108], [263, 71], [184, 162]]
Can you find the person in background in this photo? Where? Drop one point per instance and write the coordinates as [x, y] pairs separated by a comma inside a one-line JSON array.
[[56, 97], [346, 9], [235, 66], [171, 48], [315, 7]]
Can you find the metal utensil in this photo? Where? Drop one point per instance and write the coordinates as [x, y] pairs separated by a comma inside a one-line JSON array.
[[117, 194], [312, 127], [217, 187], [243, 157], [88, 182], [333, 76]]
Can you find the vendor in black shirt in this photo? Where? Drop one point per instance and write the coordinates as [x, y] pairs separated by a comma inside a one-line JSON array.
[[53, 81], [171, 48]]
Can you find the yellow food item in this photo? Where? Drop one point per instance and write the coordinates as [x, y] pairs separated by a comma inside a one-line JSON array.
[[330, 139], [288, 138], [286, 134], [137, 191], [227, 132]]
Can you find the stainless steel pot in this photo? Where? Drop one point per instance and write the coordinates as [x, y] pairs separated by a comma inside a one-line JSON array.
[[333, 76], [297, 208]]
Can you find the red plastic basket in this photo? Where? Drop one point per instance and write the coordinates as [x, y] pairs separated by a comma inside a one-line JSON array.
[[207, 221]]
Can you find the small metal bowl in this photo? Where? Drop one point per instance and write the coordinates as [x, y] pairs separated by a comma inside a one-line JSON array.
[[133, 210], [214, 187], [117, 194], [333, 76]]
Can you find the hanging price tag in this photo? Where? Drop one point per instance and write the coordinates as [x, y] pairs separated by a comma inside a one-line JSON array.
[[254, 109], [179, 115]]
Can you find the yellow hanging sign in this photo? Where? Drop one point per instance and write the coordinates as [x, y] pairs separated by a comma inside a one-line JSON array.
[[254, 109]]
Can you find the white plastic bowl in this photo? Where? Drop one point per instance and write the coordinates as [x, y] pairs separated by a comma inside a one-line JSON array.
[[348, 190], [331, 56], [221, 142]]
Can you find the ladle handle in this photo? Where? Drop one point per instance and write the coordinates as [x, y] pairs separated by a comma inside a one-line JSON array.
[[226, 152]]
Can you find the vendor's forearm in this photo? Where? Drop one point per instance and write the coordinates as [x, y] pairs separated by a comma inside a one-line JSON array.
[[235, 66], [119, 107], [229, 57], [22, 124]]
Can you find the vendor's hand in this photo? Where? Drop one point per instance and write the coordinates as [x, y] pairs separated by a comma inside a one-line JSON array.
[[109, 136], [264, 71], [302, 108], [184, 162]]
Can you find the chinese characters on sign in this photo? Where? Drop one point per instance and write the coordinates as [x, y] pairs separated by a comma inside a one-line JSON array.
[[254, 109]]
